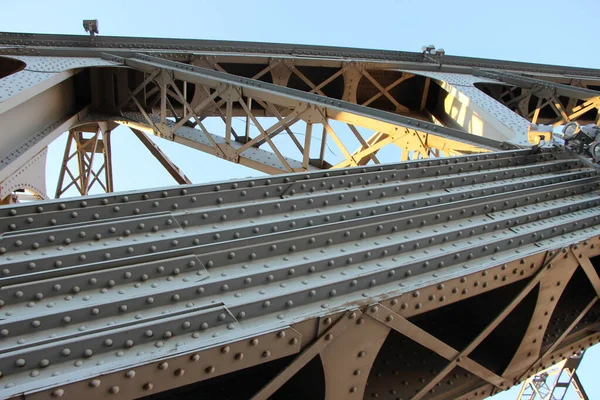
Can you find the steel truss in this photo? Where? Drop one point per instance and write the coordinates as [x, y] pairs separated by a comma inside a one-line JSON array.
[[82, 148], [540, 101], [552, 384], [418, 139], [480, 266], [344, 95]]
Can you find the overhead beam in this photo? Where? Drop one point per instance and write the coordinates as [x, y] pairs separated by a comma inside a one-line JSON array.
[[289, 97], [53, 44], [537, 84]]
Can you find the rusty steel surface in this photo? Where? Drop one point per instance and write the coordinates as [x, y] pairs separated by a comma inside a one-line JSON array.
[[460, 266]]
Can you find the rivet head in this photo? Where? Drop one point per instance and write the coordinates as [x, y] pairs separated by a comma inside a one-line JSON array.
[[179, 372], [328, 337], [148, 386], [210, 369], [114, 389], [163, 365], [130, 374], [94, 383], [58, 393]]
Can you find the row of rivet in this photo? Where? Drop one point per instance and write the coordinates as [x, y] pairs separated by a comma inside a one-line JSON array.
[[164, 245], [178, 365], [194, 319], [96, 213], [331, 262], [100, 279], [269, 276], [249, 183]]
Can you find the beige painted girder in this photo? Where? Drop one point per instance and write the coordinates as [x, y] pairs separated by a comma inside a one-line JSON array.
[[347, 361], [425, 339], [552, 286], [319, 345], [489, 328]]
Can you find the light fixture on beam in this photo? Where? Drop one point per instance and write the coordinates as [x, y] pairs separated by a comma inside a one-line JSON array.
[[91, 26], [428, 49]]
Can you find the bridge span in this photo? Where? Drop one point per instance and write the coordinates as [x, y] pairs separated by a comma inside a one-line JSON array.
[[447, 249]]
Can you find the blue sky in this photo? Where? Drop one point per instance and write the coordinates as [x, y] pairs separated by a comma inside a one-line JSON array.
[[553, 32]]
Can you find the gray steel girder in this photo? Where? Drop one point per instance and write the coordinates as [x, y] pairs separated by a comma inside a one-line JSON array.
[[79, 45], [98, 290]]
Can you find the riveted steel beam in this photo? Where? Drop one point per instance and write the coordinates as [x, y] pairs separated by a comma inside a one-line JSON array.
[[180, 271], [74, 45], [311, 351], [237, 285]]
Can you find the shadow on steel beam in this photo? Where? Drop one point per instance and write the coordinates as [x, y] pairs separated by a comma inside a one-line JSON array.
[[403, 367], [578, 293], [308, 383], [9, 66]]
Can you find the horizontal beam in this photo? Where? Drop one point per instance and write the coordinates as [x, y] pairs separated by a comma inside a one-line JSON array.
[[56, 43], [533, 83]]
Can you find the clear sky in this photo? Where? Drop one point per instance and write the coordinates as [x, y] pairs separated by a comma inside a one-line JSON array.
[[552, 32]]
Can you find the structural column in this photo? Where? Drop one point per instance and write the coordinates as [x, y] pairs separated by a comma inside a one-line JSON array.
[[83, 146]]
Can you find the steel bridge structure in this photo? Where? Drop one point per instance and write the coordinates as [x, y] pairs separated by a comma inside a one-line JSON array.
[[447, 249]]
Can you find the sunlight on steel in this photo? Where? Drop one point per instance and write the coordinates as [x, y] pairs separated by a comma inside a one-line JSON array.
[[429, 229]]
